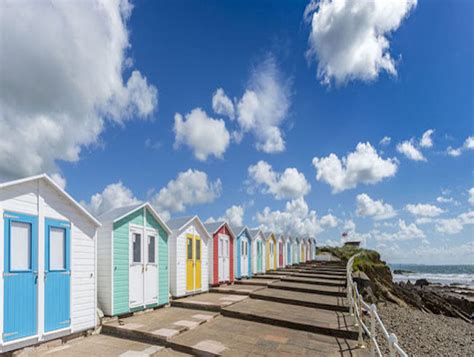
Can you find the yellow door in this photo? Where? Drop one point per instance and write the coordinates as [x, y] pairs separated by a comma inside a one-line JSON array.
[[197, 266], [274, 255], [189, 263], [302, 254], [267, 255]]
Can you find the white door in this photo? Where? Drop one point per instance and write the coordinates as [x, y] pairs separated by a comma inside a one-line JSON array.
[[223, 258], [151, 268], [244, 260], [136, 281]]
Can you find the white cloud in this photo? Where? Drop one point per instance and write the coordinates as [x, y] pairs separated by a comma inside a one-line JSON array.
[[113, 196], [204, 135], [62, 78], [59, 179], [264, 106], [190, 188], [287, 185], [442, 199], [424, 220], [364, 165], [349, 39], [424, 210], [234, 215], [449, 226], [471, 196], [328, 221], [404, 232], [453, 152], [410, 151], [385, 140], [469, 143], [376, 209], [426, 140], [222, 104], [296, 220]]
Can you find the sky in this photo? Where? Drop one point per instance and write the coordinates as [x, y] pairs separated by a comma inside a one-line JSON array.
[[306, 118]]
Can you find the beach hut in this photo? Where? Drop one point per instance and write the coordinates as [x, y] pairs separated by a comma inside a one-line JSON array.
[[222, 251], [47, 263], [313, 248], [243, 252], [258, 251], [302, 250], [296, 251], [132, 267], [287, 249], [271, 251], [280, 251], [189, 257]]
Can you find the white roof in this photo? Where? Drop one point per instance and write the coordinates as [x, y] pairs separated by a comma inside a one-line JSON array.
[[60, 190], [177, 224]]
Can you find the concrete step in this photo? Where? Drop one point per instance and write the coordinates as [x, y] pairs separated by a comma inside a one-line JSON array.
[[311, 275], [325, 302], [236, 289], [296, 279], [208, 302], [259, 282], [325, 322], [309, 288], [270, 275]]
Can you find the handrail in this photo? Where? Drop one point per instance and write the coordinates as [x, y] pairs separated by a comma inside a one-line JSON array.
[[356, 306]]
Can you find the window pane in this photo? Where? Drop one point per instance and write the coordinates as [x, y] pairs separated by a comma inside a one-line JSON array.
[[57, 249], [137, 248], [20, 246], [189, 248], [151, 249], [198, 249]]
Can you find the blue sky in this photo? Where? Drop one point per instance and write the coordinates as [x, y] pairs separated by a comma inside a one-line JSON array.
[[112, 86]]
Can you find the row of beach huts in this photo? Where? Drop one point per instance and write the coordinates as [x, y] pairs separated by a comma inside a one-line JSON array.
[[59, 263]]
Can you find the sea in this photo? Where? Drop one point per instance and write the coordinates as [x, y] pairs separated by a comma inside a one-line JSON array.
[[441, 274]]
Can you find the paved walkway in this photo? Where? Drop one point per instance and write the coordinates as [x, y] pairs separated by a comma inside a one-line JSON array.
[[208, 301], [233, 337]]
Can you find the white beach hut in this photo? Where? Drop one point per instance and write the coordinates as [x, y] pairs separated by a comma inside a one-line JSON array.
[[189, 246], [47, 261]]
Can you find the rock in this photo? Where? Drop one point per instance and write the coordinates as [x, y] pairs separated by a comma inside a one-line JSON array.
[[422, 282]]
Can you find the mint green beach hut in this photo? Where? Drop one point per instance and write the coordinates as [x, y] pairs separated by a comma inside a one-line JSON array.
[[132, 260]]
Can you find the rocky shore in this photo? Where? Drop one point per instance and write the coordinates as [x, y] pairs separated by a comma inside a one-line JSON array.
[[427, 334]]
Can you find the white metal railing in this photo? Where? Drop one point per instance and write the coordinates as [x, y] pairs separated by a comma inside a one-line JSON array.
[[356, 308]]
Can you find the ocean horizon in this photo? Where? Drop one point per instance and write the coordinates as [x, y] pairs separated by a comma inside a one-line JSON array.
[[461, 274]]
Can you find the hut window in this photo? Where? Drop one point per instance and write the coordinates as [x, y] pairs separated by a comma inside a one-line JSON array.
[[57, 249], [198, 249], [190, 248], [151, 249], [137, 248], [20, 246]]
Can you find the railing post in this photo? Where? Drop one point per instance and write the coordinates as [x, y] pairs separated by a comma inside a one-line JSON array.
[[354, 301], [392, 340], [360, 339], [373, 333]]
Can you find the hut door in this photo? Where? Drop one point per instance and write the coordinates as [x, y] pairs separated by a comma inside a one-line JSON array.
[[151, 269], [20, 276], [244, 261], [223, 258], [57, 276], [193, 262], [272, 255], [280, 254], [259, 256], [137, 268], [288, 254]]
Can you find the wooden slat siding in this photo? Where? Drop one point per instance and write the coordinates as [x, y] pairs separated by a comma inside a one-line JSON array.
[[104, 268], [121, 261], [223, 230], [215, 260], [238, 256], [162, 242]]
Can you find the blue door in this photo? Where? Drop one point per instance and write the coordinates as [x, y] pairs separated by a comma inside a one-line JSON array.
[[20, 276], [57, 275], [238, 272]]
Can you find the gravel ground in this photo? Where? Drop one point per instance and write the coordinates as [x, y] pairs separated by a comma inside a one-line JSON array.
[[424, 334]]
